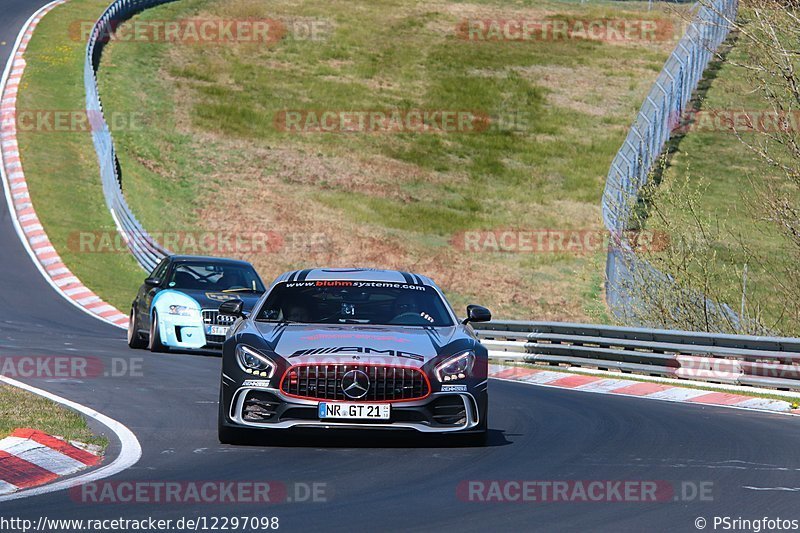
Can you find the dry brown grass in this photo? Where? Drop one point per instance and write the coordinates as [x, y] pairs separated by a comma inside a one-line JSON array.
[[262, 181], [282, 200]]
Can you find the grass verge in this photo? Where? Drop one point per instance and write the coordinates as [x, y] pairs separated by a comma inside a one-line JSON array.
[[209, 157], [709, 194], [392, 200], [21, 409], [60, 164]]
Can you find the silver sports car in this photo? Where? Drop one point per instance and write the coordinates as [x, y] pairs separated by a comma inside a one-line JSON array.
[[357, 349]]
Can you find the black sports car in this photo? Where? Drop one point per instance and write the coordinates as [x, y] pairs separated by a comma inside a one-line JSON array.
[[177, 306], [353, 348]]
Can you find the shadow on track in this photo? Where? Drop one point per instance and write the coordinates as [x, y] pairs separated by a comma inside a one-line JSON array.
[[188, 353], [343, 438]]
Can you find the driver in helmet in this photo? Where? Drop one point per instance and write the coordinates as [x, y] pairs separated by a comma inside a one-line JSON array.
[[405, 304]]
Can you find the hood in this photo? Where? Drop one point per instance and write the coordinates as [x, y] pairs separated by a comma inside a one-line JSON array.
[[212, 300], [387, 345]]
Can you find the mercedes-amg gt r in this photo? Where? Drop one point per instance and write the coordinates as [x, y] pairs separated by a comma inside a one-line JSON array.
[[356, 349], [177, 306]]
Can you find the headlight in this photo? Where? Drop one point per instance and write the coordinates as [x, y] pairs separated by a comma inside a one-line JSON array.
[[182, 310], [456, 367], [254, 362]]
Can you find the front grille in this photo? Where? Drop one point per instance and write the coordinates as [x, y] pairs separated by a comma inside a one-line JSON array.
[[386, 383], [212, 317]]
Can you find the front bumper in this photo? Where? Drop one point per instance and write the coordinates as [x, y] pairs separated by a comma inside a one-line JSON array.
[[192, 333], [441, 412], [182, 331]]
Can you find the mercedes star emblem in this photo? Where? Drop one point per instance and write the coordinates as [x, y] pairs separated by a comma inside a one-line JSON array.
[[355, 384]]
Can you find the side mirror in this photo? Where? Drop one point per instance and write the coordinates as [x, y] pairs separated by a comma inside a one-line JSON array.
[[232, 308], [477, 313], [152, 282]]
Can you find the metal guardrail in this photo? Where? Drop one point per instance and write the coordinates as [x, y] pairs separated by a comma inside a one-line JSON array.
[[143, 247], [770, 362], [626, 274]]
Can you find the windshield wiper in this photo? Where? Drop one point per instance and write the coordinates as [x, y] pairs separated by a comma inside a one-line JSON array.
[[243, 289]]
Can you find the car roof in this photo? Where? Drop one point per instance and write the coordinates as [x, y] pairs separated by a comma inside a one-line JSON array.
[[209, 259], [355, 274]]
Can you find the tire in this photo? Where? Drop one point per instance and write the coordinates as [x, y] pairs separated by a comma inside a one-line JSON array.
[[154, 343], [135, 340]]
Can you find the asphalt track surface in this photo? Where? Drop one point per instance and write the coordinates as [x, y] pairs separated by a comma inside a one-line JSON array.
[[391, 482]]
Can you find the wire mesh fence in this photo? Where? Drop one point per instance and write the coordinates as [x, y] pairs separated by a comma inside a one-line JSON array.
[[637, 292]]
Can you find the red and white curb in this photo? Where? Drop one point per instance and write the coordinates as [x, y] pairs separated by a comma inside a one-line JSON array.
[[129, 453], [29, 458], [640, 389], [26, 222]]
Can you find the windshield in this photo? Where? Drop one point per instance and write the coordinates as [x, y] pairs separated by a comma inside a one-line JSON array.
[[355, 302], [214, 277]]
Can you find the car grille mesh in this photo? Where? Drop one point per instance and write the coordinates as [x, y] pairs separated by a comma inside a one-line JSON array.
[[386, 383], [211, 317], [259, 406], [449, 411]]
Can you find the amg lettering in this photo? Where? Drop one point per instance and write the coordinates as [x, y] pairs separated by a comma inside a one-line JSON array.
[[359, 350]]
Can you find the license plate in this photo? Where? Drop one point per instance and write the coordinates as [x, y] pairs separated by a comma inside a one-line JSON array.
[[362, 411], [217, 330]]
